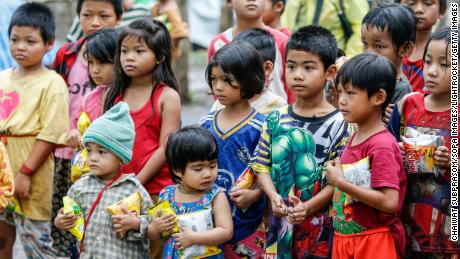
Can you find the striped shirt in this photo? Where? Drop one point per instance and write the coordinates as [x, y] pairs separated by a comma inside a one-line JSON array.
[[101, 240]]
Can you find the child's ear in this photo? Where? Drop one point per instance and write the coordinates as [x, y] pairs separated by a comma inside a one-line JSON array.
[[49, 45], [406, 49], [278, 7], [380, 97], [178, 173], [331, 71], [268, 68]]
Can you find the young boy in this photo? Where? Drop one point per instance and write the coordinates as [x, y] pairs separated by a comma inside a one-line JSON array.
[[249, 15], [427, 208], [427, 13], [389, 30], [272, 15], [72, 66], [109, 141], [264, 43], [33, 121], [369, 180], [295, 143]]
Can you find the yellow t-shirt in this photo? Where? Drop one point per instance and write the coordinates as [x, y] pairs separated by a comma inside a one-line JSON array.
[[34, 107]]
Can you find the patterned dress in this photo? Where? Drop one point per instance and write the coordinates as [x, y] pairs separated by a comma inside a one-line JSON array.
[[168, 194]]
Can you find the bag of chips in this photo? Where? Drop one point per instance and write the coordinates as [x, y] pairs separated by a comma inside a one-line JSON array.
[[199, 221], [79, 163], [71, 207], [132, 203], [419, 150], [6, 179], [165, 208], [245, 181]]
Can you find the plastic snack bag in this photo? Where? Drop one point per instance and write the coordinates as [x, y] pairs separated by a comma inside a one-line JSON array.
[[6, 179], [71, 207], [419, 150], [79, 163], [132, 203], [200, 221], [165, 208], [359, 174], [245, 181]]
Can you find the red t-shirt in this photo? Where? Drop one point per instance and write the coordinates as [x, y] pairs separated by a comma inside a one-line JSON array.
[[147, 123], [385, 169], [413, 70]]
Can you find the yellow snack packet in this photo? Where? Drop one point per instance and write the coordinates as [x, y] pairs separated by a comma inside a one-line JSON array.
[[245, 180], [14, 206], [6, 179], [79, 165], [83, 122], [132, 203], [165, 209], [71, 207], [199, 221]]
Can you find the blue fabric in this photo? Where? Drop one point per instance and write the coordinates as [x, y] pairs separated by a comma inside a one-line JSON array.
[[168, 194], [236, 147]]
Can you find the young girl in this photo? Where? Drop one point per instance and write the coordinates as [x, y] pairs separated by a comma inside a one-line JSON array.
[[192, 158], [235, 74], [100, 53], [109, 141], [426, 211], [144, 79]]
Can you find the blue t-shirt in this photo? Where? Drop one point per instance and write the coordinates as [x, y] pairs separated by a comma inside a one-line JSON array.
[[236, 147]]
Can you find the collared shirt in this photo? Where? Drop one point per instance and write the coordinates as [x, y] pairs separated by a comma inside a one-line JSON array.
[[101, 240], [66, 57]]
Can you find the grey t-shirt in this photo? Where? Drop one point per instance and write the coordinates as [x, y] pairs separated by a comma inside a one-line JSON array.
[[403, 87]]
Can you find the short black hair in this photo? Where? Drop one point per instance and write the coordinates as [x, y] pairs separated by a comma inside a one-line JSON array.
[[399, 20], [443, 34], [244, 63], [317, 40], [187, 145], [117, 6], [370, 72], [102, 44], [261, 40], [35, 15], [442, 4]]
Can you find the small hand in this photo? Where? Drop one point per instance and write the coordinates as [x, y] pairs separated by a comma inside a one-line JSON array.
[[22, 185], [163, 223], [388, 112], [298, 213], [442, 159], [184, 238], [278, 207], [243, 199], [127, 221], [65, 221], [334, 173], [73, 139]]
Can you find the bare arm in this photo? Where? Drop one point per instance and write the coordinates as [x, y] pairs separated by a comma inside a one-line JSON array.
[[277, 203], [170, 107]]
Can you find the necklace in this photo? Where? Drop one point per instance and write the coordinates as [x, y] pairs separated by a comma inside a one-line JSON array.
[[180, 188]]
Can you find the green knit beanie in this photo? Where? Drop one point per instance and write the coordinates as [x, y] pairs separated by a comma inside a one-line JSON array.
[[114, 130]]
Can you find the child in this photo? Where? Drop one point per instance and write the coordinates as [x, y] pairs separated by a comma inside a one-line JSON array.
[[272, 15], [109, 141], [389, 30], [264, 43], [33, 121], [426, 212], [428, 13], [249, 15], [144, 79], [235, 74], [71, 64], [100, 53], [296, 141], [192, 154], [367, 201]]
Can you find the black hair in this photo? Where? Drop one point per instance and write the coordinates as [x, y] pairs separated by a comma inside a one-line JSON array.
[[187, 145], [341, 53], [399, 20], [102, 45], [261, 40], [117, 6], [442, 34], [35, 15], [442, 5], [244, 63], [316, 40], [369, 72], [156, 37]]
